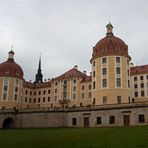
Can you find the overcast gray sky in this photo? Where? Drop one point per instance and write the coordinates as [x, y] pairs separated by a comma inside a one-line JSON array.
[[65, 31]]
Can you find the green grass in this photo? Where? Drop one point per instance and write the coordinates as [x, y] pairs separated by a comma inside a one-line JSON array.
[[117, 137]]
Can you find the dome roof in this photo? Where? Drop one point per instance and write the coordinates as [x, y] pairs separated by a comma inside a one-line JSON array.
[[10, 68], [110, 45], [110, 40]]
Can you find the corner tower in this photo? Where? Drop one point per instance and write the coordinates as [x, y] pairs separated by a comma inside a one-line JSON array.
[[110, 70], [39, 76]]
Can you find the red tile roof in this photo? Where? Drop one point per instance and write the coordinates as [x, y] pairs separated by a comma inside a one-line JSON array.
[[72, 73], [142, 69], [37, 85], [86, 79]]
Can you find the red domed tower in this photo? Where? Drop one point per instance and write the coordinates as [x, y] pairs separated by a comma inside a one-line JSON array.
[[11, 78], [110, 70]]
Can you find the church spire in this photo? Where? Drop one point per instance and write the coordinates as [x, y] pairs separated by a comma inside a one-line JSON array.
[[39, 76], [109, 27], [11, 55]]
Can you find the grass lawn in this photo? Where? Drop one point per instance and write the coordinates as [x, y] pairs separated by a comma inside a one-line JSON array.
[[117, 137]]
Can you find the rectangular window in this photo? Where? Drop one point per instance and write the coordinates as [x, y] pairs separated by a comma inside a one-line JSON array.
[[111, 119], [6, 80], [39, 100], [104, 83], [48, 99], [89, 95], [136, 94], [147, 77], [15, 97], [128, 73], [55, 98], [104, 60], [117, 59], [135, 86], [74, 81], [104, 99], [55, 90], [74, 96], [141, 118], [104, 71], [74, 121], [44, 92], [44, 99], [74, 88], [118, 99], [25, 99], [56, 83], [141, 77], [39, 92], [94, 85], [83, 95], [35, 93], [16, 89], [118, 82], [94, 63], [26, 92], [135, 78], [49, 91], [128, 84], [89, 86], [4, 96], [5, 88], [98, 120], [94, 73], [83, 87], [34, 100], [118, 70], [142, 85], [142, 93], [17, 81]]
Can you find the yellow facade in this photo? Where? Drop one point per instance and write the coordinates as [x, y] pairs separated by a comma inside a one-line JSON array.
[[110, 82]]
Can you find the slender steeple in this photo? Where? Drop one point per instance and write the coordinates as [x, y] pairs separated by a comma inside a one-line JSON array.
[[109, 27], [11, 55], [39, 76]]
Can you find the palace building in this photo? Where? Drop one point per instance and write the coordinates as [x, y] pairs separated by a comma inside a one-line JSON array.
[[114, 80]]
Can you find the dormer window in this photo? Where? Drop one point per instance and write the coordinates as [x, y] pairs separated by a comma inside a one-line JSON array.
[[104, 49], [117, 48]]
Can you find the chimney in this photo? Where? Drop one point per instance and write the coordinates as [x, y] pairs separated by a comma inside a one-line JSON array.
[[84, 72], [76, 66], [131, 65]]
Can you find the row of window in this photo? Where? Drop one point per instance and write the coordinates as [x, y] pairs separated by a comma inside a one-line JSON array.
[[141, 78], [141, 85], [104, 83], [142, 94], [37, 100], [74, 88], [141, 119], [104, 99], [65, 82], [39, 92], [104, 60]]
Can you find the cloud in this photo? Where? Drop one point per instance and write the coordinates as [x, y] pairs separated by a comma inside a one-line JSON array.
[[65, 31]]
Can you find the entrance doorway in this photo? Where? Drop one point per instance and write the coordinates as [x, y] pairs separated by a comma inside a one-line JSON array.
[[8, 123], [126, 120], [86, 121]]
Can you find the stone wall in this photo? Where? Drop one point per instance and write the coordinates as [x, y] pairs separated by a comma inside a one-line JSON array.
[[123, 114]]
